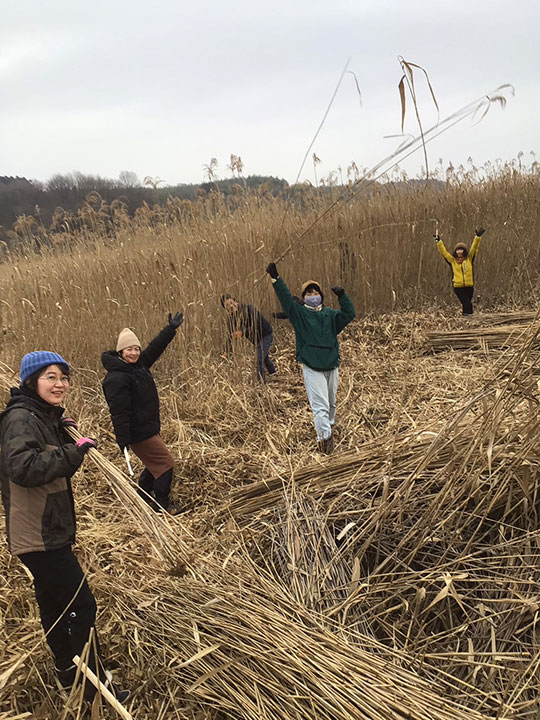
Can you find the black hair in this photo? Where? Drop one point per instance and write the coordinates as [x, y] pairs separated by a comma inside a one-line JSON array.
[[314, 286], [226, 297]]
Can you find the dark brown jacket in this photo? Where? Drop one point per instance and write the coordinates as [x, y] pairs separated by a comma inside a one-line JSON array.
[[37, 461]]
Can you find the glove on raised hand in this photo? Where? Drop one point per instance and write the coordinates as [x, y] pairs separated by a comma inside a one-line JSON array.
[[272, 271], [176, 320], [339, 291], [85, 443], [437, 238], [69, 422], [480, 232]]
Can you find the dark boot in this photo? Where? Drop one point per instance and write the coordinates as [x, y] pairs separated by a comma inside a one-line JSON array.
[[66, 677], [90, 691], [162, 488], [146, 485], [326, 446], [120, 695]]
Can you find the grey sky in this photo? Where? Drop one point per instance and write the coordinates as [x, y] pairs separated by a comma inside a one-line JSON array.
[[161, 87]]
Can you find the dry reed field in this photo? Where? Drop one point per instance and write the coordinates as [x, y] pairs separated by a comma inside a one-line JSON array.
[[398, 577]]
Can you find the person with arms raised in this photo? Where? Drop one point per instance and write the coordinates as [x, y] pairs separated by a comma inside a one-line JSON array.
[[462, 263], [317, 328], [133, 401]]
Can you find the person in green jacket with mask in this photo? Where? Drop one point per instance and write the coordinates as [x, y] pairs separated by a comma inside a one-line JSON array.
[[316, 328]]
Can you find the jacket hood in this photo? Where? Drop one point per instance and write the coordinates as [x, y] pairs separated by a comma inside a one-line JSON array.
[[24, 398], [112, 361]]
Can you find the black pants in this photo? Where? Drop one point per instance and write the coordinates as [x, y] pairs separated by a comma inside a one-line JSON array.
[[465, 295], [263, 357], [157, 487], [57, 577]]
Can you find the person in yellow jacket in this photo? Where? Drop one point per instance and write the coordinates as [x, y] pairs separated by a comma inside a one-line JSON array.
[[462, 263]]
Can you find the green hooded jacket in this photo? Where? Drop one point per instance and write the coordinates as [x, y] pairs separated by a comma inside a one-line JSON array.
[[316, 330]]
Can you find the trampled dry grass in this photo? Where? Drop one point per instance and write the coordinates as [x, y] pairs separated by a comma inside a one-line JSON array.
[[425, 607], [395, 579]]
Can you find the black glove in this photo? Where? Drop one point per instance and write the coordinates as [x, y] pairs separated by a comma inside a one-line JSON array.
[[437, 238], [176, 321], [479, 232], [339, 291], [272, 271], [123, 447]]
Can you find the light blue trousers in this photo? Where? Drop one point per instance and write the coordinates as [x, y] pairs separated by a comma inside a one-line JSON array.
[[321, 388]]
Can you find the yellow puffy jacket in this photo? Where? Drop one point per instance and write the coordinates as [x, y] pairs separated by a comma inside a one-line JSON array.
[[462, 273]]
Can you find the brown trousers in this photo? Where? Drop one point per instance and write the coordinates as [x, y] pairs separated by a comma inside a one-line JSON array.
[[154, 455]]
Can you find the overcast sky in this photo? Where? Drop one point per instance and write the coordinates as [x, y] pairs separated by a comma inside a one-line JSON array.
[[161, 87]]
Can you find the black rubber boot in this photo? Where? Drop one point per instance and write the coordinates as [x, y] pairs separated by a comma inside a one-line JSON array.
[[146, 486], [162, 488]]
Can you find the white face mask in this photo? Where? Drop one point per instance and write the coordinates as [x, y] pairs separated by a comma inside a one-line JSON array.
[[313, 300]]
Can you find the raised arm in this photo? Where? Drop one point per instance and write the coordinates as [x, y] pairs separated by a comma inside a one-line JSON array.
[[346, 313], [442, 250], [156, 346], [476, 243], [286, 300]]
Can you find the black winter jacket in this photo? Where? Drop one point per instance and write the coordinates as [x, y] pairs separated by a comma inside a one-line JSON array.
[[131, 392], [37, 460], [250, 321]]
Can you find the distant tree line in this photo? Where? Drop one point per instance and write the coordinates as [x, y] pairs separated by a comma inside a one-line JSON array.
[[43, 202]]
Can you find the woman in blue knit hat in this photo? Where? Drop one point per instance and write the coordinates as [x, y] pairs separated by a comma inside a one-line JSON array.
[[37, 461]]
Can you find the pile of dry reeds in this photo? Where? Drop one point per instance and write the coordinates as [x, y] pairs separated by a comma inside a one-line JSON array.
[[495, 331], [426, 542], [397, 579]]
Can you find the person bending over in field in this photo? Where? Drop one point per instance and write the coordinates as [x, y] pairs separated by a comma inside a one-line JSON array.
[[133, 401], [37, 460], [246, 321], [316, 328], [462, 263]]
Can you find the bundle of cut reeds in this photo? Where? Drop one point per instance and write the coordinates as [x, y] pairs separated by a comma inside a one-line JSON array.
[[398, 579], [498, 335], [429, 543]]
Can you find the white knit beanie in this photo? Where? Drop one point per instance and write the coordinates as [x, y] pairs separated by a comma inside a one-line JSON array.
[[127, 338]]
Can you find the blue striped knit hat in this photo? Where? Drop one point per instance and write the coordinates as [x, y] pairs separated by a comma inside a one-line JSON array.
[[34, 361]]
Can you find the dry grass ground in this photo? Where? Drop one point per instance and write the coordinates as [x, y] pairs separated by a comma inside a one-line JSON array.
[[428, 603], [397, 578]]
